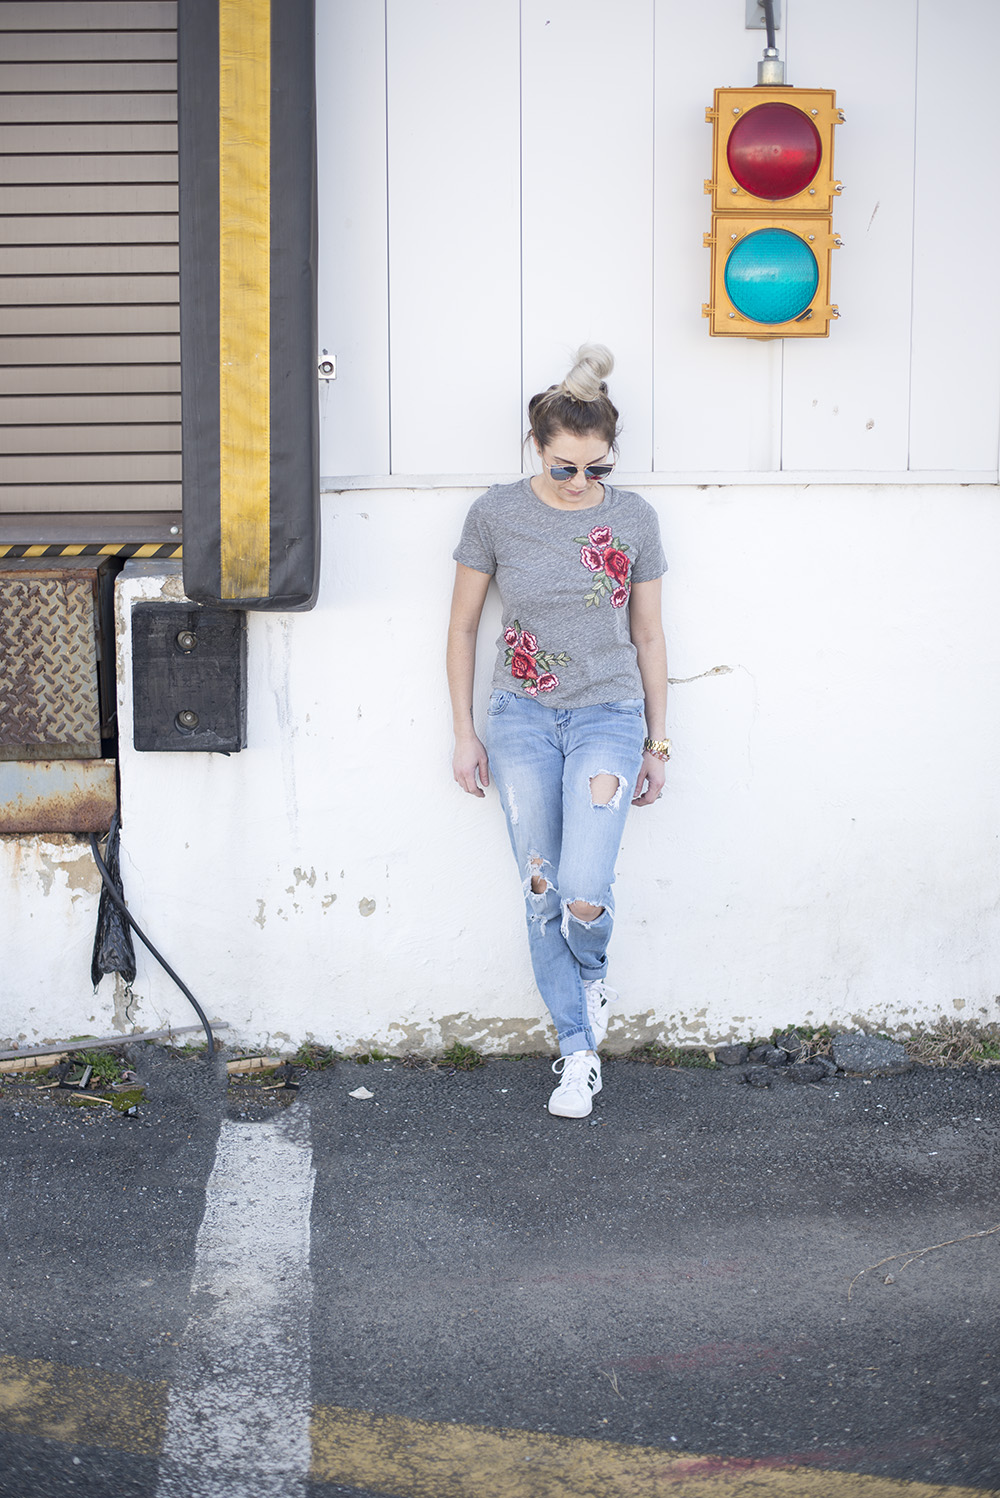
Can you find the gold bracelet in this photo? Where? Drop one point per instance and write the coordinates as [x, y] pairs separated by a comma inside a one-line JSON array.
[[659, 747]]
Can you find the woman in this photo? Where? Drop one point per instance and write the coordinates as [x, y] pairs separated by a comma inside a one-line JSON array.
[[581, 659]]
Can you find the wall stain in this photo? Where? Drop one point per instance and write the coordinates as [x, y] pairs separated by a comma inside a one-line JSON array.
[[366, 907], [260, 919]]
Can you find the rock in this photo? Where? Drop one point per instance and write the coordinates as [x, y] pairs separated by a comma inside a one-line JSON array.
[[775, 1056], [791, 1043], [828, 1066], [806, 1071], [869, 1055], [731, 1055], [757, 1053], [759, 1076]]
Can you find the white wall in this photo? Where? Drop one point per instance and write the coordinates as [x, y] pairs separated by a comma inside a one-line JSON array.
[[503, 179], [826, 850], [499, 181]]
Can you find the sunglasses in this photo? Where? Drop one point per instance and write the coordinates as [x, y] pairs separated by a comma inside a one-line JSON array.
[[592, 470]]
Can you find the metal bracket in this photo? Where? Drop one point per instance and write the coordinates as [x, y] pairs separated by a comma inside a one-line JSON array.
[[755, 15]]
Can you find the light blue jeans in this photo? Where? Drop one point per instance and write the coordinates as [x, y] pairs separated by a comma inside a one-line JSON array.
[[543, 760]]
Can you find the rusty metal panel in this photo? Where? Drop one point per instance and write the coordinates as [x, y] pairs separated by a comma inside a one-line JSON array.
[[49, 698], [61, 795]]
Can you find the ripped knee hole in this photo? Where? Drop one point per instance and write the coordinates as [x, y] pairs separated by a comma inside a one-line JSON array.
[[604, 788], [584, 911]]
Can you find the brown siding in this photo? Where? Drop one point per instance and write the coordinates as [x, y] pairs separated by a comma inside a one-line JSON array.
[[89, 352]]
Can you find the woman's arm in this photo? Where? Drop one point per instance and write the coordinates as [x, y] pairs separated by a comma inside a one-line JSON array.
[[466, 610], [646, 626]]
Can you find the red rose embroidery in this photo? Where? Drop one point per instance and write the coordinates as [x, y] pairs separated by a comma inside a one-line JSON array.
[[591, 558], [616, 565], [619, 598], [600, 535], [522, 664], [529, 665]]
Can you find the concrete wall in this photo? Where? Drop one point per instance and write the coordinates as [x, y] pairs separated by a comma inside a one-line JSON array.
[[826, 849]]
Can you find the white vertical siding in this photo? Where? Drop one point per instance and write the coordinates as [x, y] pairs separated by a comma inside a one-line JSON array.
[[353, 280], [955, 369], [717, 401], [587, 133], [543, 168], [454, 261], [845, 398]]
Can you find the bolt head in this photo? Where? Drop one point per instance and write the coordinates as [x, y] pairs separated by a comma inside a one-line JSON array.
[[187, 718]]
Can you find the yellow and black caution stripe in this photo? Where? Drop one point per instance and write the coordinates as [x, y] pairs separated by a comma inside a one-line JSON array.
[[143, 550], [248, 301]]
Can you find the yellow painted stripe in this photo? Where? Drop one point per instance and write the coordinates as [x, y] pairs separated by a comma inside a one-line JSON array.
[[149, 550], [384, 1454], [81, 1405], [418, 1459], [35, 551], [72, 551], [245, 295]]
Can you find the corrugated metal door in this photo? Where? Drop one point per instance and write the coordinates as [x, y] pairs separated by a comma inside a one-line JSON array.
[[89, 353]]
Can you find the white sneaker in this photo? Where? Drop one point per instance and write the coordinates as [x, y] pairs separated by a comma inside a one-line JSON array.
[[599, 999], [580, 1081]]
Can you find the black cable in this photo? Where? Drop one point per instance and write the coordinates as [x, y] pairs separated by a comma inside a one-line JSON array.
[[769, 23], [119, 903]]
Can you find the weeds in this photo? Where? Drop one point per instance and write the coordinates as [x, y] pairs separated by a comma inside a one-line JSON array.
[[107, 1066], [315, 1057], [670, 1055], [956, 1043], [462, 1057]]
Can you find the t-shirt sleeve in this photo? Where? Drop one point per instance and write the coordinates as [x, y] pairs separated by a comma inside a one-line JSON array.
[[651, 561], [476, 549]]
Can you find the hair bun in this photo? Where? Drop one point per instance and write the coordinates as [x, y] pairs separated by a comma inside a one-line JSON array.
[[593, 364]]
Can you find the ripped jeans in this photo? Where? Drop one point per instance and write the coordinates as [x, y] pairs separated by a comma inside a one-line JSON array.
[[543, 760]]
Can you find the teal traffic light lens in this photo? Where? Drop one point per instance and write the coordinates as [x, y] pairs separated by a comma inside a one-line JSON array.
[[771, 276]]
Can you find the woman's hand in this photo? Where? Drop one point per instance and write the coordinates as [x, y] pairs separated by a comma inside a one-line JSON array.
[[652, 775], [470, 756]]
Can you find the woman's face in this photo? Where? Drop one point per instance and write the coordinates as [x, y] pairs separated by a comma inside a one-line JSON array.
[[577, 492]]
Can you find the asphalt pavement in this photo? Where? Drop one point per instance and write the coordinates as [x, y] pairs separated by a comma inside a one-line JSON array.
[[440, 1291]]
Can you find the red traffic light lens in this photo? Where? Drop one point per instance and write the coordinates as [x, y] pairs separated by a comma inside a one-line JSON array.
[[774, 151]]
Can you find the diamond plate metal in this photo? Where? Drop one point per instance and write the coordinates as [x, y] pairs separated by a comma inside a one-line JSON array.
[[49, 704]]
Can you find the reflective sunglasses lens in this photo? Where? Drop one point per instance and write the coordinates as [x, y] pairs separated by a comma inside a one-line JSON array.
[[599, 470], [561, 474]]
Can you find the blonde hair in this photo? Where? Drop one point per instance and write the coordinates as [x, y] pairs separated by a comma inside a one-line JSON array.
[[580, 403]]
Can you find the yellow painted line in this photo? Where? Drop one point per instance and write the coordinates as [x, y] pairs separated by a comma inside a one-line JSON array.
[[149, 550], [35, 551], [245, 296], [72, 551], [385, 1454], [418, 1459], [81, 1406]]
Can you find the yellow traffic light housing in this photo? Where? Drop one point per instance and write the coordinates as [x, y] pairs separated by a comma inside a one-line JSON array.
[[772, 193]]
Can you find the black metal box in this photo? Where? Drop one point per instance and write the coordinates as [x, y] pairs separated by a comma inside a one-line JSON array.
[[189, 678]]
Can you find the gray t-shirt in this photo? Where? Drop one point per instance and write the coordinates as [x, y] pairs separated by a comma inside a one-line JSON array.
[[564, 577]]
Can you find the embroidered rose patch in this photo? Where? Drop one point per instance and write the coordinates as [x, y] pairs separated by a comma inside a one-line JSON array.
[[530, 665], [604, 555]]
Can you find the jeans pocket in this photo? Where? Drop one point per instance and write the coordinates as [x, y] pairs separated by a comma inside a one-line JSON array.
[[499, 703], [629, 707]]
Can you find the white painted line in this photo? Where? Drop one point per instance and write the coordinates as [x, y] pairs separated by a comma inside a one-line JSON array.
[[240, 1402]]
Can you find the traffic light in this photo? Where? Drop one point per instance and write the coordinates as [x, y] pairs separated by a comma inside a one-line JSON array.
[[772, 193]]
